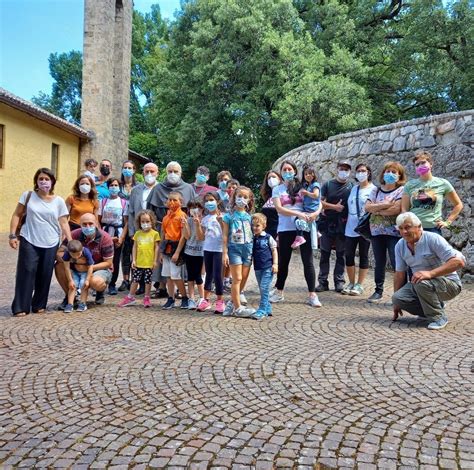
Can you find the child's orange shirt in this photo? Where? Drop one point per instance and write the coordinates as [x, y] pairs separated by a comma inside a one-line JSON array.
[[171, 225]]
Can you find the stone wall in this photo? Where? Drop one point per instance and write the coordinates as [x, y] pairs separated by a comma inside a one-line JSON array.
[[449, 137]]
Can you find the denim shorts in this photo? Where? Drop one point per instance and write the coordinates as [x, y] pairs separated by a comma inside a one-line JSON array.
[[240, 253], [79, 278], [104, 274]]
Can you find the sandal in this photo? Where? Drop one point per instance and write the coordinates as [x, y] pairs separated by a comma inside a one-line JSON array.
[[19, 314]]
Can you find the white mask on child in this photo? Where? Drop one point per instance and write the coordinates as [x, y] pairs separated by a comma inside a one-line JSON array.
[[273, 181]]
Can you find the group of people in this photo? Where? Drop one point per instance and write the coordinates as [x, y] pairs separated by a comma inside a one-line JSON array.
[[193, 241]]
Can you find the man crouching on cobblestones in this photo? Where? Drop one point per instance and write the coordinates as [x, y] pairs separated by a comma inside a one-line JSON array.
[[433, 262], [102, 248]]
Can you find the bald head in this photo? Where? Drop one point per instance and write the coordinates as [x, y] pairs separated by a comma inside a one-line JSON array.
[[150, 167]]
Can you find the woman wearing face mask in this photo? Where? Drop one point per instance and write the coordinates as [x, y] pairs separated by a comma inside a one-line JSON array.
[[113, 217], [83, 200], [271, 180], [356, 206], [289, 205], [39, 238], [384, 204], [424, 196]]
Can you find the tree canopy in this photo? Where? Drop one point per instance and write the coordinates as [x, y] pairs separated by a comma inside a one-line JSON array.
[[234, 84]]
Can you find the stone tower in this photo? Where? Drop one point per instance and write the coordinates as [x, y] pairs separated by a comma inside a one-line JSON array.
[[106, 78]]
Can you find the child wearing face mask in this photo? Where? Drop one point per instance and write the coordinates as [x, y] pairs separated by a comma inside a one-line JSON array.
[[171, 231], [310, 193], [91, 166], [113, 217], [237, 248], [193, 251], [210, 231], [144, 256], [223, 178]]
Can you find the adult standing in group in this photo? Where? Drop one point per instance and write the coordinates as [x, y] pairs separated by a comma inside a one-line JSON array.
[[101, 246], [424, 196], [271, 180], [356, 209], [83, 200], [105, 168], [289, 205], [384, 204], [157, 202], [46, 223], [200, 185], [223, 178], [127, 183], [433, 262], [332, 225], [139, 198]]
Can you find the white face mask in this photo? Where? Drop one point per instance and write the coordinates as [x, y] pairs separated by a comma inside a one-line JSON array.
[[343, 174], [273, 181], [173, 178], [150, 179], [85, 188], [362, 176], [194, 212], [146, 226]]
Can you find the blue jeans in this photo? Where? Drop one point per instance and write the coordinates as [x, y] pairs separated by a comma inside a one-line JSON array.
[[79, 278], [264, 279]]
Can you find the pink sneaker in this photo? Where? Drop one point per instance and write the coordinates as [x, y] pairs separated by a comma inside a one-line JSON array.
[[146, 301], [204, 305], [220, 306], [126, 301], [299, 240]]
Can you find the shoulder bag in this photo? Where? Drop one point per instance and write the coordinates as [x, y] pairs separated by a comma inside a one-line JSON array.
[[363, 226], [22, 220]]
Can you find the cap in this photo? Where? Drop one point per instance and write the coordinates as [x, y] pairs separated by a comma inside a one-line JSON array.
[[344, 163]]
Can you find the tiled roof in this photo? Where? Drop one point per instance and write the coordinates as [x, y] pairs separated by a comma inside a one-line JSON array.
[[26, 106]]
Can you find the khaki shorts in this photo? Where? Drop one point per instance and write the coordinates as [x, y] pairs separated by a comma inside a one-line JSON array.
[[170, 269]]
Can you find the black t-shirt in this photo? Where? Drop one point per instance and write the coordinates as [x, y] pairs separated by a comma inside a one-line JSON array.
[[333, 191]]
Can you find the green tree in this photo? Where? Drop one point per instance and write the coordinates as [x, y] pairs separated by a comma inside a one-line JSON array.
[[65, 98]]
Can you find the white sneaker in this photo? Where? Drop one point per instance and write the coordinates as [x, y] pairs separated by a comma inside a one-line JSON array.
[[229, 309], [314, 301], [276, 297], [244, 312], [243, 299]]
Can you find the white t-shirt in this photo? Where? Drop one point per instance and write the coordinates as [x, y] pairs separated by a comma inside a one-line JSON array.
[[41, 227], [286, 223], [145, 194], [112, 213], [213, 233], [352, 219]]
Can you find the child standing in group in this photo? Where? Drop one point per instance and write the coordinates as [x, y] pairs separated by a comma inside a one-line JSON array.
[[210, 230], [237, 247], [311, 203], [171, 231], [144, 256], [193, 251], [265, 261], [91, 165], [78, 265]]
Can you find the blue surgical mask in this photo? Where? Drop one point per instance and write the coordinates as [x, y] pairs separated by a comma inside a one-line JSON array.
[[223, 185], [211, 205], [88, 231], [288, 175], [201, 179], [390, 178], [127, 172], [114, 190]]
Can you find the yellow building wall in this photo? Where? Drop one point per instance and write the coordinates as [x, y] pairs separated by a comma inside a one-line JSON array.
[[27, 143]]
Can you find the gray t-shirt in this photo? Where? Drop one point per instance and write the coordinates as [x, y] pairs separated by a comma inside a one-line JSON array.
[[193, 247], [431, 251], [41, 227]]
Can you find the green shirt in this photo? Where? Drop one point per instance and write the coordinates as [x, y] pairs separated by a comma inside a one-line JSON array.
[[426, 199]]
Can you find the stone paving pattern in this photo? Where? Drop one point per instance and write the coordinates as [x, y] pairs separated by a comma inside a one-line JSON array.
[[336, 387]]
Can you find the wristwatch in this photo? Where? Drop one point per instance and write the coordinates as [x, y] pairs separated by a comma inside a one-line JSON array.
[[12, 236]]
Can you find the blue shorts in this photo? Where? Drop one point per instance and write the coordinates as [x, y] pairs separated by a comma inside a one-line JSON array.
[[240, 253], [79, 278]]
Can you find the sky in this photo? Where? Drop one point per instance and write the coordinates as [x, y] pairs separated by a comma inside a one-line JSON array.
[[30, 30]]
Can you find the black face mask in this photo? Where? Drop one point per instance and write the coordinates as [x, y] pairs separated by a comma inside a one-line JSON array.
[[104, 170]]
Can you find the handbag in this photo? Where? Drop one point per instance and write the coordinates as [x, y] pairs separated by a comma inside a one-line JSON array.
[[363, 226], [22, 220]]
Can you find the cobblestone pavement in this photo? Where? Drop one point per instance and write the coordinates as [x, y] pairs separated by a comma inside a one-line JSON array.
[[335, 387]]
